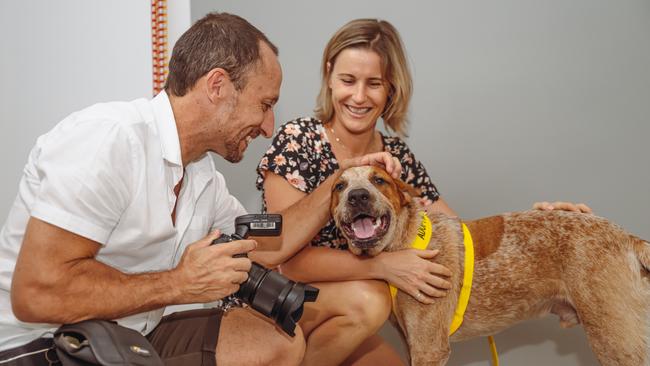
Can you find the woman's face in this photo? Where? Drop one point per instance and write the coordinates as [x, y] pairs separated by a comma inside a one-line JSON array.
[[359, 92]]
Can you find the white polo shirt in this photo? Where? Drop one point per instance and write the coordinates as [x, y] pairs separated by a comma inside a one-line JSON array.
[[107, 173]]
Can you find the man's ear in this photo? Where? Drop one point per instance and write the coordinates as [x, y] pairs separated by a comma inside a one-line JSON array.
[[217, 84], [406, 192]]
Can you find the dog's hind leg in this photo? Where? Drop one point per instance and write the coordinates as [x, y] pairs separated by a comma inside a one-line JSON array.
[[616, 339], [613, 304]]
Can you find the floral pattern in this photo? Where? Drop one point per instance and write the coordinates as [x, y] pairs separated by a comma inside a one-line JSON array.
[[301, 153]]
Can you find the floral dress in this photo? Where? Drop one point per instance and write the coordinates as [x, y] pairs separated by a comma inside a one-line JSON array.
[[302, 154]]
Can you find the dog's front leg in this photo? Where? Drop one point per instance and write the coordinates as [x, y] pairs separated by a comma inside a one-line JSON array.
[[426, 330]]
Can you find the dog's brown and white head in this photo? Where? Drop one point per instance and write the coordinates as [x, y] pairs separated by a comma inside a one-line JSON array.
[[368, 205]]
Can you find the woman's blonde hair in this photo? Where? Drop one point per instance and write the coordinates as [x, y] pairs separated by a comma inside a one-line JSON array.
[[381, 37]]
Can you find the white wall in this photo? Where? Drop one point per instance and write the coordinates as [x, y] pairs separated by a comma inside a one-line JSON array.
[[61, 56], [178, 19], [515, 101]]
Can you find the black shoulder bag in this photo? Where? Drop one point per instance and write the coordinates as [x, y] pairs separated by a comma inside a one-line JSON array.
[[101, 342]]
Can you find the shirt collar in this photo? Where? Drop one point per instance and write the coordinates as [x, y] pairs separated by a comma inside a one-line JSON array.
[[166, 125]]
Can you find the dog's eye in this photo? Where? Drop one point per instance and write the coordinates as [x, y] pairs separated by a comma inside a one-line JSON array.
[[339, 186], [379, 180]]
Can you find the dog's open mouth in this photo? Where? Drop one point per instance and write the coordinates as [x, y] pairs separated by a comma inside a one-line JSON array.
[[365, 231]]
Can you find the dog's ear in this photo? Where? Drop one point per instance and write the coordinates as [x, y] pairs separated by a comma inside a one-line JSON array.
[[406, 192]]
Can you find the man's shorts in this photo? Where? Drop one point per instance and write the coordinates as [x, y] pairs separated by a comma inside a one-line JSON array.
[[183, 338], [188, 337]]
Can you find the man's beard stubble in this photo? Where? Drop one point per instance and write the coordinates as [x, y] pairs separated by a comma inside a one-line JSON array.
[[232, 152]]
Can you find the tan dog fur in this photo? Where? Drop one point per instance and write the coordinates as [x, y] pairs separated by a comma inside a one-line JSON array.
[[578, 266]]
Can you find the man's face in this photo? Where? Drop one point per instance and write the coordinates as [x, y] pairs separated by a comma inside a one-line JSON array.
[[252, 107]]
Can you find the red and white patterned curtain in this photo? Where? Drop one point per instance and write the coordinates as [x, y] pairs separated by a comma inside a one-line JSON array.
[[159, 44]]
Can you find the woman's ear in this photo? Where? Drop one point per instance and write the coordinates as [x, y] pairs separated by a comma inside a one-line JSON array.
[[328, 69], [406, 192]]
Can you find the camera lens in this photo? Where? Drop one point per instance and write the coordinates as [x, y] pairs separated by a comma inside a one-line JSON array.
[[267, 291], [276, 296]]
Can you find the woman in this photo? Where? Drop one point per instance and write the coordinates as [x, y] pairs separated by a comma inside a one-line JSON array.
[[364, 77]]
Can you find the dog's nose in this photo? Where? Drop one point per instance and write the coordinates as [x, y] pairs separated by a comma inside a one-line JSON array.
[[358, 196]]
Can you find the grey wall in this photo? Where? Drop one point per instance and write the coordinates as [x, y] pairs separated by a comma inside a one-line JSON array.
[[61, 56], [515, 102]]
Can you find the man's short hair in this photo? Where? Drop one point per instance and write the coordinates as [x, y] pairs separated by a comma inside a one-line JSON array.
[[218, 40]]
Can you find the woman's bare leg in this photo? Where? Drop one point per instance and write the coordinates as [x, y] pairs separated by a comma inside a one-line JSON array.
[[344, 316], [374, 351]]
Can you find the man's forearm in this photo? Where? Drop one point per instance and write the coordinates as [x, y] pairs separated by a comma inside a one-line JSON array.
[[58, 280], [89, 289]]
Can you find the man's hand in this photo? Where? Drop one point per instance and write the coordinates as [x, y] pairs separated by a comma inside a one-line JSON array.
[[207, 272], [383, 159]]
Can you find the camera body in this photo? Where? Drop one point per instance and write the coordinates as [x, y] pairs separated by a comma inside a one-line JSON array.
[[265, 290]]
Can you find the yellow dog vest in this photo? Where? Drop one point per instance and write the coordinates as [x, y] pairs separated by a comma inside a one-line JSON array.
[[421, 242]]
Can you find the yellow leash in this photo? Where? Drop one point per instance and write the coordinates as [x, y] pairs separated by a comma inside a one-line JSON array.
[[421, 242], [493, 351]]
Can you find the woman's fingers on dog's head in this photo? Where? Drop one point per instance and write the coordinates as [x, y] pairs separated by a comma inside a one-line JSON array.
[[384, 159], [396, 170]]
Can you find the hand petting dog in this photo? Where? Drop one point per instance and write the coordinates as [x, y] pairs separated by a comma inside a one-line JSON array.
[[424, 280], [564, 206], [382, 159]]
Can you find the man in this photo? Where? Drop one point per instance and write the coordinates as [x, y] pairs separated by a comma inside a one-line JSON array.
[[119, 202]]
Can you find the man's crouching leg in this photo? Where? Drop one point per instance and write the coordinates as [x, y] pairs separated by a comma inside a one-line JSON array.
[[239, 337], [248, 338]]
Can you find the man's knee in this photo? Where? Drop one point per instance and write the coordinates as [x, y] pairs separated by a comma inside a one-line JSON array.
[[248, 338]]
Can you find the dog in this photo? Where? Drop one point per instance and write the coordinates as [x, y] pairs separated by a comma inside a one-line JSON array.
[[527, 264]]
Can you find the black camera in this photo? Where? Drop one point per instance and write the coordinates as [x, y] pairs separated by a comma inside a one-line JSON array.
[[265, 290]]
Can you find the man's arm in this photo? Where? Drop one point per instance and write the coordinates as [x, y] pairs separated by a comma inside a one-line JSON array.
[[58, 280]]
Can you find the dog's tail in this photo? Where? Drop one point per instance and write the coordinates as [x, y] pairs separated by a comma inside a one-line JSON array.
[[642, 251]]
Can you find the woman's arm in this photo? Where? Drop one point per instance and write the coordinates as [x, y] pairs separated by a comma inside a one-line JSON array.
[[304, 215], [410, 270]]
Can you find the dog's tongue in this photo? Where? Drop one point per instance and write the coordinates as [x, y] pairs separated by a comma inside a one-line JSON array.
[[363, 228]]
